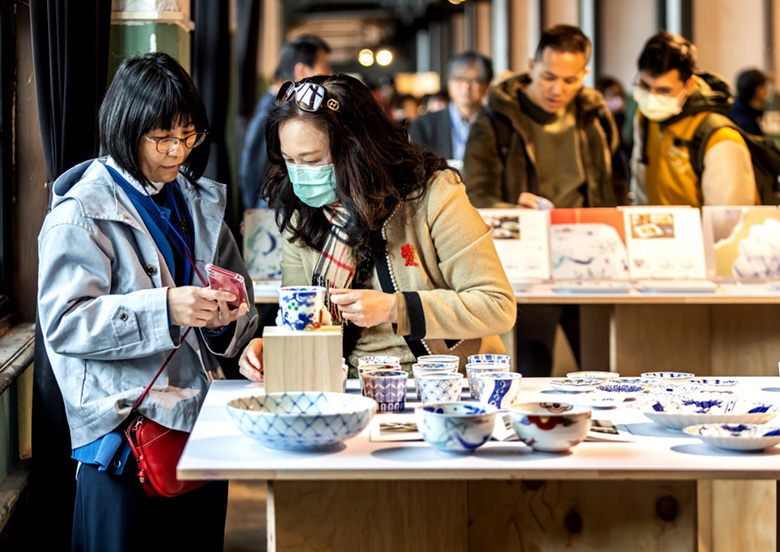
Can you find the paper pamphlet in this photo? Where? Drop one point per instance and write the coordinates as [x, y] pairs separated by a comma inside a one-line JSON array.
[[522, 241]]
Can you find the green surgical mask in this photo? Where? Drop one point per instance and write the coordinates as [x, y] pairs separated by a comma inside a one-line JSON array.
[[314, 185]]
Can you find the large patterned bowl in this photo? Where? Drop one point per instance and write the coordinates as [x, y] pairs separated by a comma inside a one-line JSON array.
[[456, 426], [305, 420], [737, 436], [677, 411]]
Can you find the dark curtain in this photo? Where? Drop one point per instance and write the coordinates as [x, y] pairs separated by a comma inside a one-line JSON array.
[[248, 17], [70, 56], [211, 73]]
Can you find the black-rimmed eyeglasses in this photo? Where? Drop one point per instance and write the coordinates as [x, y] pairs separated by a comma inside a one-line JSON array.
[[167, 145], [308, 96]]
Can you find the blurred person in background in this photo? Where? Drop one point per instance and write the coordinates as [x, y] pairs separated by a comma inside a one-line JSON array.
[[305, 56], [431, 103], [405, 109], [752, 95], [616, 100], [445, 132]]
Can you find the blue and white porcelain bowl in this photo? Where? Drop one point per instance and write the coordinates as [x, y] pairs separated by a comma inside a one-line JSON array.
[[306, 420], [456, 426], [678, 411], [501, 389], [440, 387], [715, 384], [474, 371], [429, 368], [300, 307], [387, 388], [550, 426], [574, 385], [490, 359], [592, 374], [665, 377], [379, 359], [737, 436], [623, 391]]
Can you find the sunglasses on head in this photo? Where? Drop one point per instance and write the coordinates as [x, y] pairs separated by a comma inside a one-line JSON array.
[[308, 96]]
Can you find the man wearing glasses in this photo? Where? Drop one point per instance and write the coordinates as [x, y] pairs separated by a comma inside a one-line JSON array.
[[545, 140], [672, 102], [445, 132]]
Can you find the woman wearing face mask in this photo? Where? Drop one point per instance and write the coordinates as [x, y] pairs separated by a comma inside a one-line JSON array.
[[385, 226], [121, 254]]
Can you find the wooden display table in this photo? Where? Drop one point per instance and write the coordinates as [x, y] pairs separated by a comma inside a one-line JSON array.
[[665, 491], [732, 331]]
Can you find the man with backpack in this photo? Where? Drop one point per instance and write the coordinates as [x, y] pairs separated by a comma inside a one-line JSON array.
[[686, 150], [545, 140]]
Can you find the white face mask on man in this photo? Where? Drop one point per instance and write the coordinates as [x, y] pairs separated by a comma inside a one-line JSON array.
[[657, 107]]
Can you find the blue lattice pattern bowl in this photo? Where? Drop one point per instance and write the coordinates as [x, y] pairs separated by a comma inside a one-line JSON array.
[[737, 436], [305, 420], [677, 411], [489, 358], [456, 426]]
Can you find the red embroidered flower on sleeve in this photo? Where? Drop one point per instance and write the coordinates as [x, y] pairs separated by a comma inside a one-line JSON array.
[[407, 252]]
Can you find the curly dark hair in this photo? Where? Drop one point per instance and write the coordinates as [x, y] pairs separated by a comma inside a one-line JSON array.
[[375, 164]]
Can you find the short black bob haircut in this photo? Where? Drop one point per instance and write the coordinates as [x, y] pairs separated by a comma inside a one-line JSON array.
[[148, 92], [666, 51], [564, 38]]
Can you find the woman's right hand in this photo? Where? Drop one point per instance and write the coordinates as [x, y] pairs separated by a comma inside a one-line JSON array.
[[250, 365], [195, 306]]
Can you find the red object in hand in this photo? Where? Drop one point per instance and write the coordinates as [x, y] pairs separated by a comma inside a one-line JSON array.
[[227, 280]]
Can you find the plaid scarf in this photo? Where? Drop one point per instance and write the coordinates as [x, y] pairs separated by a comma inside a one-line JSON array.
[[336, 265]]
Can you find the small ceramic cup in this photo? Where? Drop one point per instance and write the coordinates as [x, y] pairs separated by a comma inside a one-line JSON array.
[[440, 387], [427, 368], [382, 359], [473, 371], [490, 359], [451, 359], [370, 367], [500, 389], [387, 388], [300, 307]]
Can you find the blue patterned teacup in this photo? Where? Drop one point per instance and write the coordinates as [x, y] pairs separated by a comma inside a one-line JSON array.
[[428, 367], [489, 358], [474, 371], [500, 389], [440, 387], [387, 388], [301, 307]]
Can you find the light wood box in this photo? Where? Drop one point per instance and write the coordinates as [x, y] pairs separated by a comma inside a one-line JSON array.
[[302, 361]]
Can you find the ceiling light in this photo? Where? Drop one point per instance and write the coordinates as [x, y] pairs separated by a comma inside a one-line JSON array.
[[384, 57], [366, 57]]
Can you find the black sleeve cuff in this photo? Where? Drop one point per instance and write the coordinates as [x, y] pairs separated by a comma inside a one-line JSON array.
[[414, 310]]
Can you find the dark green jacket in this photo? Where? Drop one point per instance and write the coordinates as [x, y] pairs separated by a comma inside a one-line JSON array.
[[491, 184]]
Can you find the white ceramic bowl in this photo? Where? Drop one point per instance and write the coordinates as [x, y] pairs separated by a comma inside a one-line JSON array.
[[623, 391], [737, 436], [668, 376], [678, 411], [456, 426], [550, 427], [592, 375], [303, 420], [715, 384]]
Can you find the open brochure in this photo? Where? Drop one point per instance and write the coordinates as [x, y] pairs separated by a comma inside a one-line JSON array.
[[522, 242]]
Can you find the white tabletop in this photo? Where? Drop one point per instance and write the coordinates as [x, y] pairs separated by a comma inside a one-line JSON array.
[[218, 450]]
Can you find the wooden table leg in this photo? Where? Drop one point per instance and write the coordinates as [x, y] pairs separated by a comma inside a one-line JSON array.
[[367, 515], [737, 515]]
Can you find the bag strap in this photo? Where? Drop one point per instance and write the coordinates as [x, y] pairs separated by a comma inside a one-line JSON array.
[[698, 143], [173, 352]]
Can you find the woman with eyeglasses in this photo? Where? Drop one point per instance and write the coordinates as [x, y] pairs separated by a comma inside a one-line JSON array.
[[384, 225], [122, 253]]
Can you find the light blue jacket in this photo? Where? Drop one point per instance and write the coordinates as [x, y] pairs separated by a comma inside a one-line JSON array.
[[102, 301]]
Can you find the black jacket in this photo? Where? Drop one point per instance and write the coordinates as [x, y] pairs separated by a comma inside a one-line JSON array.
[[434, 131]]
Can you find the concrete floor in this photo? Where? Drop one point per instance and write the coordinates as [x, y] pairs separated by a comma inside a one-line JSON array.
[[245, 525]]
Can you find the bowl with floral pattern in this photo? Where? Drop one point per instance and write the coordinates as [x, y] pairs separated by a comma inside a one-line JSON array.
[[550, 426], [456, 426], [574, 385], [747, 437], [303, 420], [665, 377], [616, 388], [677, 411]]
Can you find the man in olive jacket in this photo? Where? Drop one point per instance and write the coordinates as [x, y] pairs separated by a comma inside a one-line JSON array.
[[544, 140]]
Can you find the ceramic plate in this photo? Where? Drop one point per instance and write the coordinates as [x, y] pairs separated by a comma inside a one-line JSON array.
[[592, 375], [679, 411], [737, 436], [624, 391], [668, 376], [714, 384], [676, 286], [522, 285], [599, 400], [575, 385]]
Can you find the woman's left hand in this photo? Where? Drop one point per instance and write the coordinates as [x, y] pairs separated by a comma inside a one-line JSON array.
[[365, 307]]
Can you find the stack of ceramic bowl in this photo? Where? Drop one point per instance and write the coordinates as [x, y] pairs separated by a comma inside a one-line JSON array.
[[677, 411], [305, 420]]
